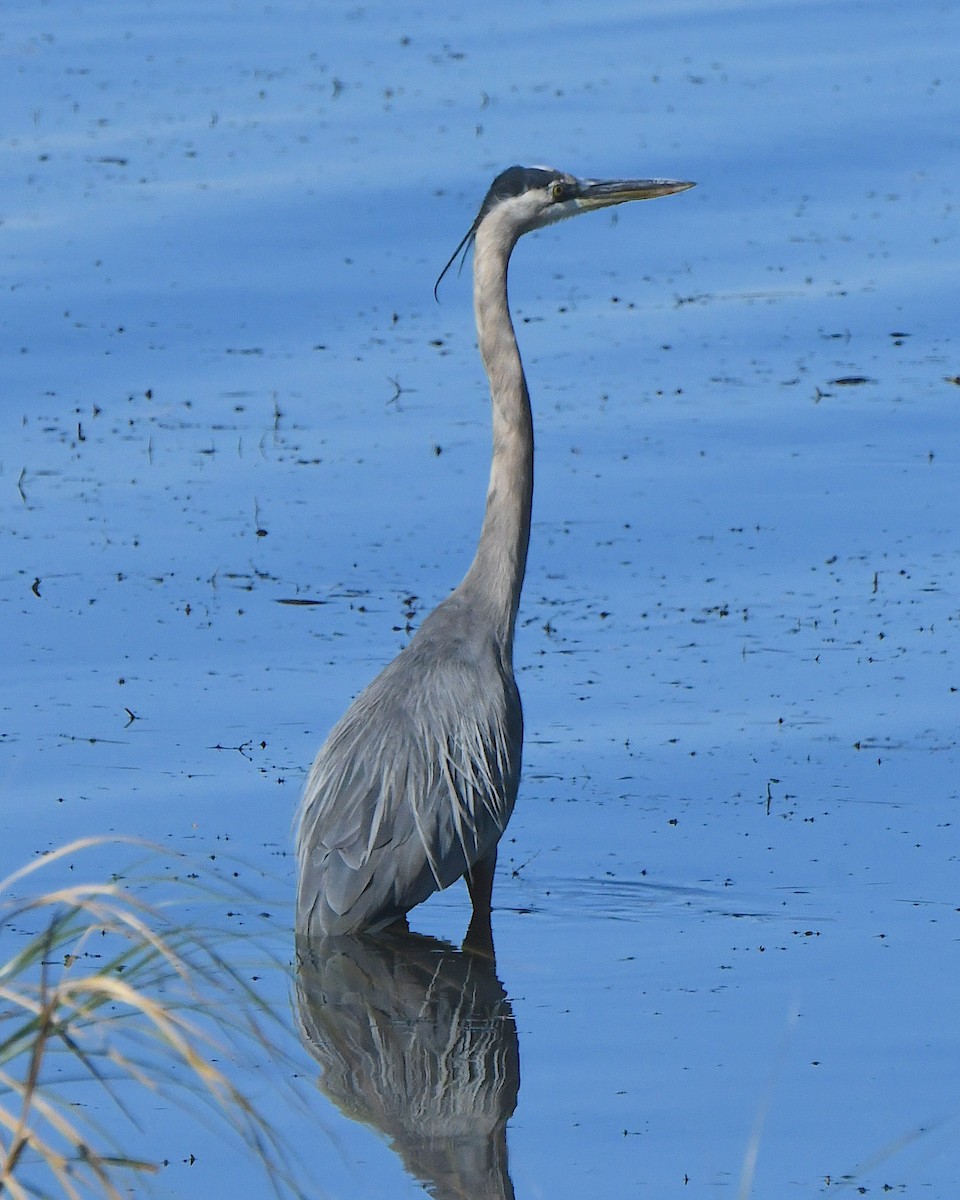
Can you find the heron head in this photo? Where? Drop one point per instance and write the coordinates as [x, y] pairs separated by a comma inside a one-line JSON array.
[[524, 198]]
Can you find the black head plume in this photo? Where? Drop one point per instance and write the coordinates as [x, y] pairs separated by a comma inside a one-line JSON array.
[[514, 181]]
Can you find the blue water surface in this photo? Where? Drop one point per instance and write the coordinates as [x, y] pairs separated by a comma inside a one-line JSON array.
[[728, 905]]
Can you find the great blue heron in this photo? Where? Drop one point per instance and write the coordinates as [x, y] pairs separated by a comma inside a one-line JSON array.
[[415, 784]]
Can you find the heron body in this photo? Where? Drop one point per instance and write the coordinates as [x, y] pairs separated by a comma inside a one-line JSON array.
[[416, 783]]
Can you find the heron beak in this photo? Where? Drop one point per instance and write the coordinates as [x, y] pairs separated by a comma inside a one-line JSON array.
[[602, 193]]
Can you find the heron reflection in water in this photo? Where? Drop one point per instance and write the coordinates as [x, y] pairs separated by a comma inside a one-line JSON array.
[[415, 785], [417, 1040]]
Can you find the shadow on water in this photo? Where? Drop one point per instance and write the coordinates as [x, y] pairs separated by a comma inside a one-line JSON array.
[[417, 1040]]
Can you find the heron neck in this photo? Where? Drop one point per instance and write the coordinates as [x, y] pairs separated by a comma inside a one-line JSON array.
[[496, 575]]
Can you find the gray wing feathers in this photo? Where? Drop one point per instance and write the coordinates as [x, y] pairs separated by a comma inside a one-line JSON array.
[[414, 785]]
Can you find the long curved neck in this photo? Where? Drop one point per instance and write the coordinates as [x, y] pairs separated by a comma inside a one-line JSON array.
[[496, 575]]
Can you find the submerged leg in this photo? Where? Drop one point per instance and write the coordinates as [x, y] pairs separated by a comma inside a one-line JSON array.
[[480, 883]]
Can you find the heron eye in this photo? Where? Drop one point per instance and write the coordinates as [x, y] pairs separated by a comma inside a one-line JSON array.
[[558, 189]]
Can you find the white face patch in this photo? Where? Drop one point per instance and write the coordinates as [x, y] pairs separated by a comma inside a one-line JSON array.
[[534, 208]]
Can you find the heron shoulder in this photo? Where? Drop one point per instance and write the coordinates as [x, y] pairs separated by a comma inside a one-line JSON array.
[[450, 691]]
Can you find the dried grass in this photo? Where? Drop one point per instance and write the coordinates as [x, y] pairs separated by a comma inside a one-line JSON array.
[[134, 1001]]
